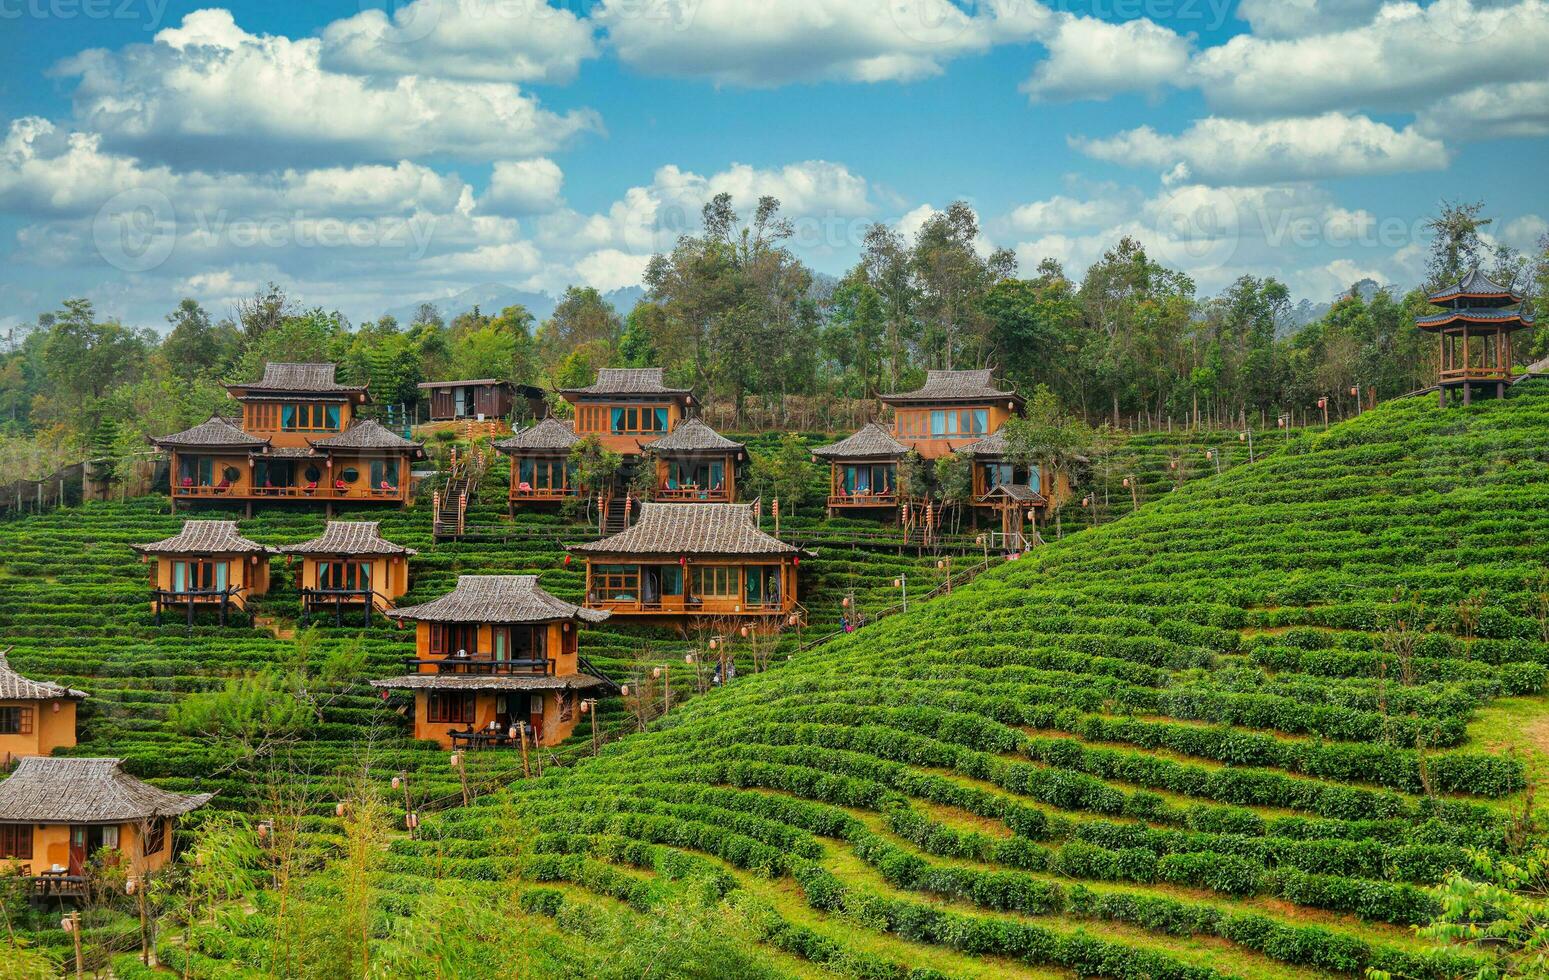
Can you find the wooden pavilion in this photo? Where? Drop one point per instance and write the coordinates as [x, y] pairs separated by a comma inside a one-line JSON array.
[[952, 410], [206, 565], [487, 398], [298, 439], [36, 717], [628, 407], [692, 560], [1475, 327], [495, 654], [350, 565], [695, 463], [541, 471], [863, 469], [56, 814]]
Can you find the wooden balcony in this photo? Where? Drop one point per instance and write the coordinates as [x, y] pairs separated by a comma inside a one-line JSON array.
[[674, 605], [190, 600], [482, 663], [863, 500], [338, 600], [542, 494], [693, 495], [1476, 372], [325, 493]]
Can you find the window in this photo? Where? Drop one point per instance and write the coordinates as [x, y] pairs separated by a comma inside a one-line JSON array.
[[310, 417], [349, 576], [997, 474], [696, 474], [16, 841], [862, 478], [616, 583], [545, 474], [312, 474], [448, 638], [449, 707], [199, 575], [195, 471], [384, 474], [110, 837], [672, 580], [762, 585], [945, 423], [155, 838], [349, 474], [231, 474], [16, 720], [274, 474], [622, 419], [716, 581]]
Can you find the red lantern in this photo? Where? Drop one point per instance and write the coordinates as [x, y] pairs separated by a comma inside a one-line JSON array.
[[682, 562], [567, 558]]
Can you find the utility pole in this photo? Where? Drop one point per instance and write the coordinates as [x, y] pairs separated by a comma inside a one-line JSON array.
[[902, 582]]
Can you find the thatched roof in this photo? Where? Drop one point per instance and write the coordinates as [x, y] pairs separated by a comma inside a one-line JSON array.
[[203, 538], [691, 436], [550, 434], [215, 432], [992, 445], [629, 381], [1019, 493], [691, 529], [872, 441], [308, 378], [15, 687], [951, 386], [348, 538], [490, 682], [501, 599], [46, 790], [368, 434]]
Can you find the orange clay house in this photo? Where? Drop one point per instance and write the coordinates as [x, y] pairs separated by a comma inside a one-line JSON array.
[[541, 471], [692, 560], [207, 565], [298, 439], [36, 717], [55, 814], [350, 566], [495, 653], [953, 412]]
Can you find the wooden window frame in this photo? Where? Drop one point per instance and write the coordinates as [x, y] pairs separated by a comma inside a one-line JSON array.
[[719, 577], [16, 841], [352, 582], [447, 638], [608, 584], [23, 723], [449, 707]]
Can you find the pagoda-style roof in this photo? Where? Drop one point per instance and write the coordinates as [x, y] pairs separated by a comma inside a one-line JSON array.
[[1475, 289], [871, 441], [66, 790], [367, 435], [1489, 316], [348, 538], [992, 445], [216, 432], [500, 599], [490, 682], [1018, 493], [551, 434], [15, 687], [203, 538], [690, 529], [629, 382], [290, 377], [953, 386], [693, 436]]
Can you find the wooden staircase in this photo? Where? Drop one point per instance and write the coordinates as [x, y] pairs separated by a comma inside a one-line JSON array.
[[451, 507], [617, 515]]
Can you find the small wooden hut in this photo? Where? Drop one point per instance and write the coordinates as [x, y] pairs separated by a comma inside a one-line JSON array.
[[205, 566], [36, 717], [350, 566]]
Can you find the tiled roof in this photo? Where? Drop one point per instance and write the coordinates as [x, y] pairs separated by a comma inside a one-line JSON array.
[[692, 435], [292, 452], [460, 384], [204, 538], [490, 682], [691, 529], [348, 538], [872, 441], [66, 790], [628, 381], [1019, 492], [15, 687], [1476, 285], [551, 433], [367, 434], [993, 444], [217, 430], [299, 377], [953, 386], [496, 599], [1477, 314]]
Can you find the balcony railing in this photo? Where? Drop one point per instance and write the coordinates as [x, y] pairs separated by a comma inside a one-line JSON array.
[[889, 499], [481, 664], [720, 495], [544, 493], [321, 600], [320, 492], [690, 606], [191, 599]]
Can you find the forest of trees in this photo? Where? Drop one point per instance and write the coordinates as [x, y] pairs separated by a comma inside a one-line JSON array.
[[735, 313]]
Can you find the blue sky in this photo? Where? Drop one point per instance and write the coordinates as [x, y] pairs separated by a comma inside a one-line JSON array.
[[370, 156]]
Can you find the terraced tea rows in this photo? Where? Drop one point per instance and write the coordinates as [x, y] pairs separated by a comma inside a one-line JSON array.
[[1196, 742]]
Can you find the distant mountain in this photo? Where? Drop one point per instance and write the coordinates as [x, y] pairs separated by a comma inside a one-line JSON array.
[[1306, 311], [492, 297]]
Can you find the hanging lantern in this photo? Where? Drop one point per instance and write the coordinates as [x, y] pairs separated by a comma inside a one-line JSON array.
[[1280, 421], [715, 644], [682, 561], [624, 690], [397, 782], [1323, 403], [384, 694], [67, 923], [129, 887], [1172, 464], [338, 809], [688, 658], [795, 561], [411, 820], [1086, 501], [744, 632], [56, 707], [1242, 437], [586, 706], [456, 760], [845, 601], [898, 583], [1355, 390], [1126, 482], [511, 732], [656, 672], [567, 558], [1210, 454]]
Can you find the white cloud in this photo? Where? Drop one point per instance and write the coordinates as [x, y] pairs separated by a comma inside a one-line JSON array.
[[1406, 57], [1290, 18], [1096, 59], [483, 40], [1518, 109], [774, 42], [1525, 232], [1060, 213], [1223, 151], [609, 268], [208, 93], [523, 187]]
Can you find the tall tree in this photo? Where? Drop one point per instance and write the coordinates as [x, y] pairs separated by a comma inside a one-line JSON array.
[[1455, 244], [951, 280]]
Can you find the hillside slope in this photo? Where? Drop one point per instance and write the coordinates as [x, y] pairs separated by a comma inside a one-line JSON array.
[[1194, 742]]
